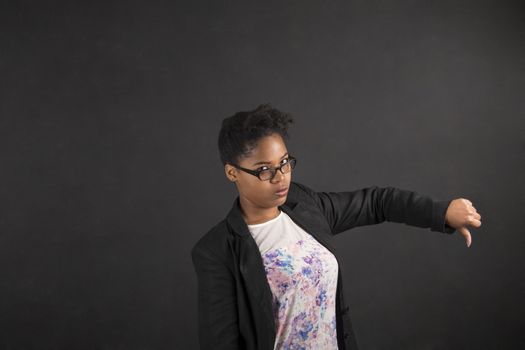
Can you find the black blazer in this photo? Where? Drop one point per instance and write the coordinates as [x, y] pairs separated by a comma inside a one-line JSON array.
[[234, 297]]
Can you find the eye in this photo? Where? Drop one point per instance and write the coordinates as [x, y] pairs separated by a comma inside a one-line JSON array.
[[285, 160], [263, 168]]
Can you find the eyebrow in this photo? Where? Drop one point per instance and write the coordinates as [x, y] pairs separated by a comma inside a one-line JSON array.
[[263, 162]]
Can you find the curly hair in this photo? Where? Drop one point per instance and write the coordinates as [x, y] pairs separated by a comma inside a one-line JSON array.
[[240, 133]]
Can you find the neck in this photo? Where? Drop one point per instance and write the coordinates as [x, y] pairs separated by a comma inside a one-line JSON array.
[[253, 214]]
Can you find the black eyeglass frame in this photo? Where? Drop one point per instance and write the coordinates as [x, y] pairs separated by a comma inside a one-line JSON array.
[[291, 161]]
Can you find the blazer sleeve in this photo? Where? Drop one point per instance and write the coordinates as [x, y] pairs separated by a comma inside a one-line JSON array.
[[217, 309], [373, 205]]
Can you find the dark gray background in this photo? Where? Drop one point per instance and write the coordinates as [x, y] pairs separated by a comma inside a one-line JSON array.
[[109, 169]]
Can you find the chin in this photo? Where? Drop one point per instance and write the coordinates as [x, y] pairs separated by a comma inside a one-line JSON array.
[[281, 199]]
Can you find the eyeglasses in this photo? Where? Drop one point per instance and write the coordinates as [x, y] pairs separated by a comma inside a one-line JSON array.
[[265, 173]]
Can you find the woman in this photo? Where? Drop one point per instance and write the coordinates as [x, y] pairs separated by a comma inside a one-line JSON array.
[[268, 276]]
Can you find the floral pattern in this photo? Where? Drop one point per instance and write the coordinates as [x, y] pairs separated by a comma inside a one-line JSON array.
[[303, 280]]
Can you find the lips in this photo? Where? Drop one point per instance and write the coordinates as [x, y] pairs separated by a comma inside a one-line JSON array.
[[282, 191]]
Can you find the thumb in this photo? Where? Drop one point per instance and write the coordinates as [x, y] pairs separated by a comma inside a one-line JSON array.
[[466, 233]]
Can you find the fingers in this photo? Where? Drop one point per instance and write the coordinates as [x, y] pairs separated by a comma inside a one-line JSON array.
[[474, 222], [466, 233], [470, 207], [467, 216], [476, 216]]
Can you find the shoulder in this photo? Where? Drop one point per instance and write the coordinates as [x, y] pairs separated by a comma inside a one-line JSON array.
[[299, 192]]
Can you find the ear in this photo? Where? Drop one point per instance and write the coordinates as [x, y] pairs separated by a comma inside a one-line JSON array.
[[230, 172]]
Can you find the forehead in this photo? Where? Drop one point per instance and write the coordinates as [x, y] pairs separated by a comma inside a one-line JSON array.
[[269, 148]]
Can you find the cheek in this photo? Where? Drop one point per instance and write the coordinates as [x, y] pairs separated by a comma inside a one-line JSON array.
[[251, 186], [259, 191]]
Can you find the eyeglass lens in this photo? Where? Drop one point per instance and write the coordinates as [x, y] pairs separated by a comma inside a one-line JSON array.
[[270, 173]]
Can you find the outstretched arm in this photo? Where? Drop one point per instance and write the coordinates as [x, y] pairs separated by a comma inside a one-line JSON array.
[[373, 205]]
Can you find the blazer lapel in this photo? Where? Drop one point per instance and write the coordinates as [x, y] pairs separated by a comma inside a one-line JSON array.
[[251, 264], [302, 216]]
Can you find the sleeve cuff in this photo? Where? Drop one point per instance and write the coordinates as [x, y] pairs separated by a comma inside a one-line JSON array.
[[439, 210]]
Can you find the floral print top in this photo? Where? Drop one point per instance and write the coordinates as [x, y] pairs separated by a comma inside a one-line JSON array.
[[302, 275]]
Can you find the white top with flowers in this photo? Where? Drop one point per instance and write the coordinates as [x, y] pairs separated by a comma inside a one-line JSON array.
[[302, 275]]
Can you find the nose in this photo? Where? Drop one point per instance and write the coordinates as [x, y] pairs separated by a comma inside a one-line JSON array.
[[278, 177]]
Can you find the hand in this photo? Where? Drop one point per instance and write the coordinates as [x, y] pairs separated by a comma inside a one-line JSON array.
[[460, 214]]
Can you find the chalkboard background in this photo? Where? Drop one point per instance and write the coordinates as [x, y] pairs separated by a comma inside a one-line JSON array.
[[109, 118]]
